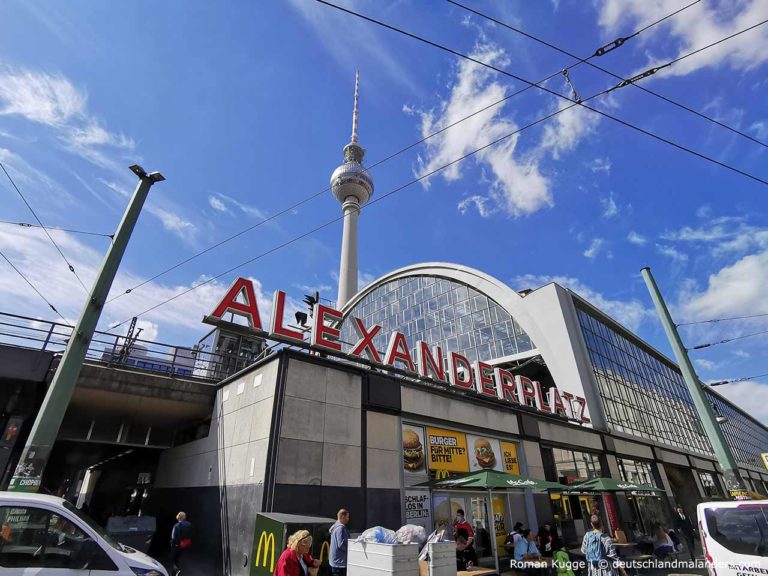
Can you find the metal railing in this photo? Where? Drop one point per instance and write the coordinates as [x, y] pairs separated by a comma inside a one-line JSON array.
[[119, 351]]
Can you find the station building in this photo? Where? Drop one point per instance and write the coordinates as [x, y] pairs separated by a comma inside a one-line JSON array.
[[310, 431]]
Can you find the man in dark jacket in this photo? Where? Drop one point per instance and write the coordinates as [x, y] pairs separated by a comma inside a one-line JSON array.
[[685, 527], [339, 538]]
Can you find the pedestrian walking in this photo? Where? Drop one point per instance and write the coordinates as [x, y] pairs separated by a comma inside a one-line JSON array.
[[181, 540], [339, 538], [684, 525], [296, 559], [599, 551]]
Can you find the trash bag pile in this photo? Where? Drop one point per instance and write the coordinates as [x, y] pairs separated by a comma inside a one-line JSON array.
[[378, 534], [408, 534], [411, 534]]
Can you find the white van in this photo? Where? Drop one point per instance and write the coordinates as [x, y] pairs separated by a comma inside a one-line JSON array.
[[47, 536], [734, 536]]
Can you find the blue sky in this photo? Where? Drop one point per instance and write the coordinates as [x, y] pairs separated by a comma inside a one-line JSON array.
[[245, 108]]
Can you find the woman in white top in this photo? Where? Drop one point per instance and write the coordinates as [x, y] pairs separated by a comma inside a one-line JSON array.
[[662, 543]]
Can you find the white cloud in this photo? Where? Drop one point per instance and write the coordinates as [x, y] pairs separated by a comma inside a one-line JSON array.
[[601, 165], [707, 364], [328, 22], [736, 290], [723, 236], [217, 204], [179, 320], [516, 184], [44, 98], [246, 209], [480, 203], [672, 253], [610, 209], [629, 313], [594, 248], [636, 238], [149, 330], [364, 278], [568, 128], [697, 27], [760, 130], [752, 397]]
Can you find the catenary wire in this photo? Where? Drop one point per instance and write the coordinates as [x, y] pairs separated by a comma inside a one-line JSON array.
[[28, 225], [71, 268], [733, 380], [20, 273], [606, 71], [700, 346], [714, 320], [374, 201], [382, 161], [558, 95]]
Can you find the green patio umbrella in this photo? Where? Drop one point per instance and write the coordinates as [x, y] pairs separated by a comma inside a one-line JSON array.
[[612, 485], [491, 480]]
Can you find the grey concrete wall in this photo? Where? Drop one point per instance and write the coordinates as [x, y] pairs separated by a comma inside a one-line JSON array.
[[383, 450], [235, 450], [422, 402], [320, 430], [570, 435], [625, 448]]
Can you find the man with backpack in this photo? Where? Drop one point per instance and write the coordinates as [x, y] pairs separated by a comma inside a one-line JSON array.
[[600, 554]]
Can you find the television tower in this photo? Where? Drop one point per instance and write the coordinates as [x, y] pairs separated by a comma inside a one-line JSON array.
[[352, 186]]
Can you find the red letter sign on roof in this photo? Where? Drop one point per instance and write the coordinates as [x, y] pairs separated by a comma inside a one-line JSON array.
[[250, 307]]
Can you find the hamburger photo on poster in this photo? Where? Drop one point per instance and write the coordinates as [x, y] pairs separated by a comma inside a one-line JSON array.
[[413, 449], [485, 453]]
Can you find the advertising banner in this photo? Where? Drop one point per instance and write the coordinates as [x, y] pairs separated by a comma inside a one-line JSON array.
[[484, 454], [509, 458], [413, 449], [418, 509], [500, 528], [447, 451], [765, 458]]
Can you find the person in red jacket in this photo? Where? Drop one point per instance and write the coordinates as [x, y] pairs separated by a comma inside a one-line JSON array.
[[295, 559]]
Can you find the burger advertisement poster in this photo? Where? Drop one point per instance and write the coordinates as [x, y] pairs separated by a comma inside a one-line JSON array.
[[447, 450], [485, 454], [413, 449]]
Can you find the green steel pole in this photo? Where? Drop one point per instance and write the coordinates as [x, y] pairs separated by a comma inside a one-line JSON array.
[[29, 472], [702, 405]]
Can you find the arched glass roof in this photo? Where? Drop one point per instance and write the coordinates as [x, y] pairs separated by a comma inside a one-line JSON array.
[[441, 312]]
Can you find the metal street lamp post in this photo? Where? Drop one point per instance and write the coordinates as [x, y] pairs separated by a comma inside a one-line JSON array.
[[702, 405], [29, 472]]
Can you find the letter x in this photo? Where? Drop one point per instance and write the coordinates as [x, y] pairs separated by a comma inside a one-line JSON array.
[[365, 344]]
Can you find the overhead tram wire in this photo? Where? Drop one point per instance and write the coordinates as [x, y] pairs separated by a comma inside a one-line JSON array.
[[28, 225], [370, 203], [561, 96], [624, 81], [701, 346], [71, 267], [715, 320], [382, 161], [20, 273], [734, 380]]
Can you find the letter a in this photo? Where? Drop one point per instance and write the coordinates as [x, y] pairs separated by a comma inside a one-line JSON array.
[[249, 308]]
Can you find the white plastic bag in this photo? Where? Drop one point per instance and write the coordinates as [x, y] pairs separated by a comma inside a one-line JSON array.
[[378, 534], [411, 534]]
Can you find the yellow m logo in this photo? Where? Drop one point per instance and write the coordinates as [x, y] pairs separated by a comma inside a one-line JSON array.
[[267, 540], [325, 548], [440, 474]]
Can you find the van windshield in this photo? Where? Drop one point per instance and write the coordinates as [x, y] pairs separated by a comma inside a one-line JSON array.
[[94, 526], [743, 530]]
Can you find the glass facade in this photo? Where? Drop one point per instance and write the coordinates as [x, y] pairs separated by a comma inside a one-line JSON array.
[[636, 471], [442, 313], [746, 437], [641, 394], [574, 467], [709, 484]]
